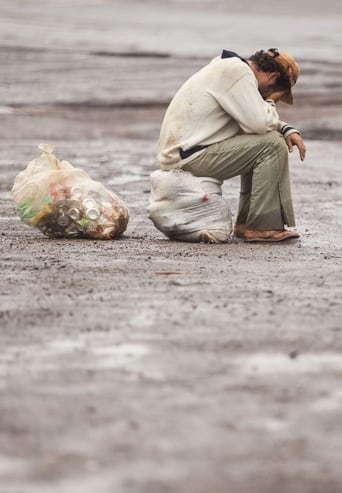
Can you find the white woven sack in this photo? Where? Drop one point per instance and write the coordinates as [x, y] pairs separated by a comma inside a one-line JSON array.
[[189, 208]]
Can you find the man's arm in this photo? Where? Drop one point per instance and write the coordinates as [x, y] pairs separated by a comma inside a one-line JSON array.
[[291, 135], [245, 105]]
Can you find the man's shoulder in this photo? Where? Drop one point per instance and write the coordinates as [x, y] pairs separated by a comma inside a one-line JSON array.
[[233, 65]]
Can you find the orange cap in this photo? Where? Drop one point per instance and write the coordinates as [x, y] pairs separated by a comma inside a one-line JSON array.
[[291, 68]]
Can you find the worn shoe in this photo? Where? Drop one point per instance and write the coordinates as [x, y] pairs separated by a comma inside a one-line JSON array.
[[251, 235], [239, 230]]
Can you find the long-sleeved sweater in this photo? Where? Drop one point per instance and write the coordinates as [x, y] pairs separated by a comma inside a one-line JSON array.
[[218, 102]]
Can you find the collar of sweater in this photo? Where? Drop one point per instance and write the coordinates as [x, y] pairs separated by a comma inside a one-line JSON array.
[[231, 54]]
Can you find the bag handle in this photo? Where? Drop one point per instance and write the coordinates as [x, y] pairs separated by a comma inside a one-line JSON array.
[[46, 148], [47, 151]]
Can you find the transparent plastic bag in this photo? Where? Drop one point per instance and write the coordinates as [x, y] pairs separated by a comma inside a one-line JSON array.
[[189, 208], [63, 201]]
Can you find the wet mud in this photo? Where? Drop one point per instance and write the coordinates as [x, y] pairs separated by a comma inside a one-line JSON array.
[[147, 365]]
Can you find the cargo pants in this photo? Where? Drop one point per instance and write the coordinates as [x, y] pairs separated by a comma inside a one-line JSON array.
[[263, 165]]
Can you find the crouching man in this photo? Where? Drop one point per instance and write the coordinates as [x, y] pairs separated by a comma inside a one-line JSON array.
[[223, 123]]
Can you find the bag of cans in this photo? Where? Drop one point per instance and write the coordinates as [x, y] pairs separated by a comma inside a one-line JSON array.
[[64, 202]]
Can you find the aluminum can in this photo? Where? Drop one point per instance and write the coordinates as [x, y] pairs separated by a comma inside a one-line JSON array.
[[63, 220], [74, 213], [92, 213]]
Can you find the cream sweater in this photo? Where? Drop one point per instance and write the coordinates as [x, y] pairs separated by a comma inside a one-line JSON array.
[[218, 102]]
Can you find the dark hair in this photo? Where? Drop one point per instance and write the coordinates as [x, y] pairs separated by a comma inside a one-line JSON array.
[[265, 62]]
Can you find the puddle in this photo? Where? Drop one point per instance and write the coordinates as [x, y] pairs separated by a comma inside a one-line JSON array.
[[144, 319], [329, 403], [6, 110], [123, 179], [12, 465], [77, 354], [265, 363], [122, 356]]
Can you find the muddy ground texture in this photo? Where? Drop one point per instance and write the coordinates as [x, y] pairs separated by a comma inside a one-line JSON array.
[[146, 365]]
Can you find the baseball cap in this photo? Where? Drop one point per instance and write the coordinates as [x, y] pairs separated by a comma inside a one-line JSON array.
[[290, 67]]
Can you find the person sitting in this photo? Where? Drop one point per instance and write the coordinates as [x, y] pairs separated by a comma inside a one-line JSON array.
[[223, 123]]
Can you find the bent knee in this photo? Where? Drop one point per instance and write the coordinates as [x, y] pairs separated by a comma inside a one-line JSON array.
[[277, 142]]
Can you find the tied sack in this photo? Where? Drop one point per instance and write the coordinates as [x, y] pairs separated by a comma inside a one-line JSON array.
[[189, 208], [63, 201]]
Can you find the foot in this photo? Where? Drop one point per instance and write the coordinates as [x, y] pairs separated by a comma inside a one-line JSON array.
[[239, 230], [251, 235]]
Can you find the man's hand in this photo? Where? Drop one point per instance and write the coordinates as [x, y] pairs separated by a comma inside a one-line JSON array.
[[296, 140]]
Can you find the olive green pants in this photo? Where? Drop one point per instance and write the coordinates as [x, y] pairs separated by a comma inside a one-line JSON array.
[[263, 165]]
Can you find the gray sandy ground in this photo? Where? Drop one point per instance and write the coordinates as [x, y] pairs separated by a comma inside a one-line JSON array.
[[141, 364]]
